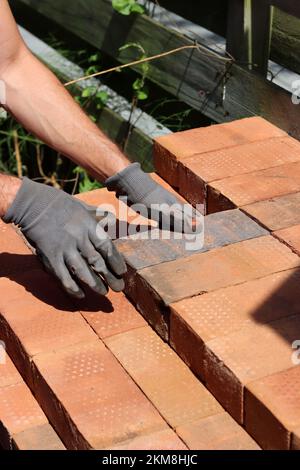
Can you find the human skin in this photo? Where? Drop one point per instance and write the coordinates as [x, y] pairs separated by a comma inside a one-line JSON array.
[[9, 186], [37, 99]]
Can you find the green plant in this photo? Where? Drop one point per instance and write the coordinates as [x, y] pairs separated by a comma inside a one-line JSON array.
[[86, 183], [139, 86], [126, 7]]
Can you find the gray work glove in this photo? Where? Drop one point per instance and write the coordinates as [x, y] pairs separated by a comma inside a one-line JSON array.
[[67, 238], [142, 190]]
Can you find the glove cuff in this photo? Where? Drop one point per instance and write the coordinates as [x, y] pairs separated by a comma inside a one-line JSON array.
[[30, 202], [132, 182]]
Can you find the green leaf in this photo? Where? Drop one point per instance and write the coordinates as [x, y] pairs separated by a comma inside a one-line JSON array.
[[102, 96], [93, 58], [91, 69], [126, 7], [88, 91], [137, 9], [142, 95], [138, 84]]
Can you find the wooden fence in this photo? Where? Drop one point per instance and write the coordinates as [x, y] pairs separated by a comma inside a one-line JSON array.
[[221, 89]]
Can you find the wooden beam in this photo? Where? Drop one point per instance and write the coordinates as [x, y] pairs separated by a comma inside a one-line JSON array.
[[289, 6], [261, 18], [285, 45], [190, 75], [199, 79], [237, 41]]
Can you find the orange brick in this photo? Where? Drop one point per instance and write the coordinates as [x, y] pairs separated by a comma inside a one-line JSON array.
[[233, 361], [8, 373], [218, 268], [277, 213], [115, 314], [272, 408], [41, 437], [20, 414], [91, 399], [34, 309], [202, 318], [291, 237], [257, 186], [169, 383], [176, 147], [296, 439], [195, 172], [163, 440], [18, 411], [107, 200], [15, 256], [218, 432]]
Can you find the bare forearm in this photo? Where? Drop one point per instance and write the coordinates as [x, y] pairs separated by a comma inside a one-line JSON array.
[[9, 186], [38, 100]]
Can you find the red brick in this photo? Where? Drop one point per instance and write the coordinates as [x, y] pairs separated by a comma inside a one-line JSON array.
[[21, 414], [233, 361], [18, 411], [296, 439], [36, 316], [202, 318], [49, 322], [8, 373], [218, 268], [218, 432], [91, 399], [41, 437], [291, 237], [107, 200], [15, 256], [176, 147], [163, 440], [162, 376], [258, 186], [115, 315], [195, 172], [272, 408], [278, 213], [219, 230]]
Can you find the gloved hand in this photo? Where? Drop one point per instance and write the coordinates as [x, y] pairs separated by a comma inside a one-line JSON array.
[[67, 238], [141, 189]]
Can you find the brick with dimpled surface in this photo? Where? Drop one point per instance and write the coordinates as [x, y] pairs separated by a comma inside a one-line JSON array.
[[256, 351], [272, 408], [200, 319]]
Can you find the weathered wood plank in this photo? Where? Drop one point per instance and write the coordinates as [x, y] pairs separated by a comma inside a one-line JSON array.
[[189, 75], [195, 78], [271, 102], [237, 37], [285, 45], [261, 34], [290, 6]]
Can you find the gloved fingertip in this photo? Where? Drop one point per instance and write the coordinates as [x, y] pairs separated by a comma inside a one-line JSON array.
[[77, 294], [118, 286]]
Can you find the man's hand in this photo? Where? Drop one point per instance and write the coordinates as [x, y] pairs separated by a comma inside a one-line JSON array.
[[67, 238], [161, 205]]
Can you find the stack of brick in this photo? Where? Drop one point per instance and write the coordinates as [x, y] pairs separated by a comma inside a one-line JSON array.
[[95, 372], [218, 368]]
